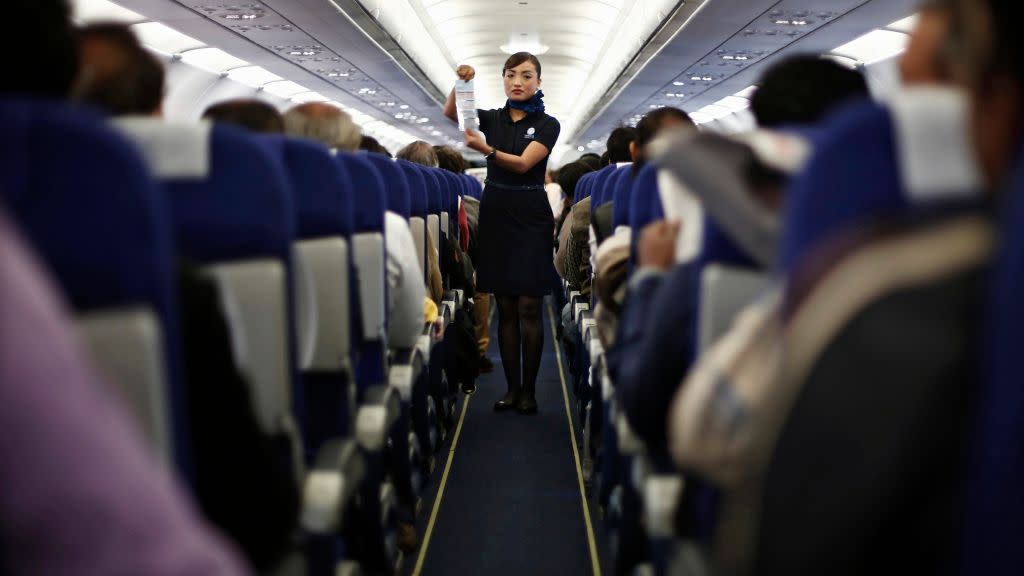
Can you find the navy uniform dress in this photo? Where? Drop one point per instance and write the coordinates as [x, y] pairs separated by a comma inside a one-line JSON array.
[[516, 227]]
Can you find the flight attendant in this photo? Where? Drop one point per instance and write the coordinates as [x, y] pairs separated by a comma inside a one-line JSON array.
[[516, 226]]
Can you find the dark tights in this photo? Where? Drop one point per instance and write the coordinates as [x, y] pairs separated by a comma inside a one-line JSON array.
[[519, 327]]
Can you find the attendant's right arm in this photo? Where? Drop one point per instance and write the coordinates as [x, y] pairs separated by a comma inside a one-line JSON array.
[[449, 107]]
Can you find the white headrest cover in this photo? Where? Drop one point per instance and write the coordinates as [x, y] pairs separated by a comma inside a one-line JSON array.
[[173, 150], [784, 152], [931, 132]]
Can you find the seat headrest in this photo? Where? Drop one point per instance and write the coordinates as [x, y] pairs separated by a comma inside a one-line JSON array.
[[417, 188], [873, 160], [623, 190], [173, 150], [435, 196], [931, 130], [720, 170], [645, 203], [241, 209], [601, 187], [368, 201], [322, 189], [396, 185], [85, 198]]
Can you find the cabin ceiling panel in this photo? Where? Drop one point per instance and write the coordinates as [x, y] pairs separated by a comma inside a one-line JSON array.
[[700, 65]]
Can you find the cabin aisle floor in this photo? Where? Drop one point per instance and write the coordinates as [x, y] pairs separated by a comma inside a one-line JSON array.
[[512, 502]]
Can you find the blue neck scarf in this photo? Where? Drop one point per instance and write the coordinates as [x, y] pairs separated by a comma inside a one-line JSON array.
[[531, 106]]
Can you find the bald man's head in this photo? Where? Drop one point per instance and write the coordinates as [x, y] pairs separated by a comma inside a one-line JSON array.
[[324, 123]]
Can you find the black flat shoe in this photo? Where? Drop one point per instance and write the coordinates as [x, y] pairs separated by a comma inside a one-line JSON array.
[[527, 405], [509, 402]]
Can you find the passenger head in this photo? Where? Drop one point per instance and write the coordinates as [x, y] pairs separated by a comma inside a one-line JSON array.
[[324, 123], [370, 144], [116, 74], [253, 115], [991, 64], [591, 160], [926, 59], [618, 144], [650, 125], [521, 75], [450, 159], [418, 152], [48, 24], [803, 89], [569, 175]]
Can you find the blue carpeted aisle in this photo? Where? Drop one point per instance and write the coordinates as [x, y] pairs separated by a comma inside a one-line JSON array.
[[512, 501]]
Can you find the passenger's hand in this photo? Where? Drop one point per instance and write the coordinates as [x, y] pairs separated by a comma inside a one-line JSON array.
[[439, 327], [465, 72], [476, 141], [657, 245]]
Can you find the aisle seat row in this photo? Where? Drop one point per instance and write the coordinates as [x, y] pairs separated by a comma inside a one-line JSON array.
[[916, 176], [293, 237]]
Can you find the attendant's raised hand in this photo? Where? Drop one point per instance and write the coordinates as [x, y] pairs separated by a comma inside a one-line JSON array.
[[465, 72]]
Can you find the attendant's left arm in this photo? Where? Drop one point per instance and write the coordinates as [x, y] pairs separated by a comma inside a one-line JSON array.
[[534, 152]]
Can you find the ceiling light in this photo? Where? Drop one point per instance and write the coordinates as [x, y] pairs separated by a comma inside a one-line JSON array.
[[874, 46], [306, 97], [404, 106], [580, 148], [715, 111], [531, 47], [701, 118], [747, 92], [284, 88], [89, 11], [164, 39], [678, 83], [212, 59], [734, 103], [846, 61], [905, 25], [253, 76]]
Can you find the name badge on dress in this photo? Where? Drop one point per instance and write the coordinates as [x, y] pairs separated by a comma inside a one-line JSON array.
[[529, 133]]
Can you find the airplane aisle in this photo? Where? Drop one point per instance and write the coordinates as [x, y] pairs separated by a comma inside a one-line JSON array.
[[512, 502]]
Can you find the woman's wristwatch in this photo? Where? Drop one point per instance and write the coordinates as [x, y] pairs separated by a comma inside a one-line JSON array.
[[491, 154]]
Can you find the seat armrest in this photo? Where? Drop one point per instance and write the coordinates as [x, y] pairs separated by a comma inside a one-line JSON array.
[[330, 486], [578, 309], [629, 443], [406, 366], [596, 351], [661, 499], [425, 343], [381, 408]]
